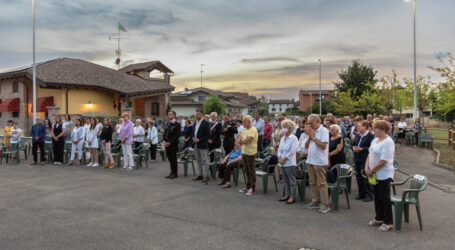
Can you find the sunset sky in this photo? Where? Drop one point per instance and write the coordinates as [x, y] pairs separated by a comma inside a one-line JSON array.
[[267, 47]]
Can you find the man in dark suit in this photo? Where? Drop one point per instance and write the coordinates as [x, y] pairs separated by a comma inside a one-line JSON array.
[[201, 135], [360, 147], [229, 130], [171, 142], [215, 134]]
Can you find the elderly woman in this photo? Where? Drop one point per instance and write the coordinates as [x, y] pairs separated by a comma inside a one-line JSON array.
[[402, 130], [336, 153], [287, 160], [276, 137], [380, 164], [126, 138]]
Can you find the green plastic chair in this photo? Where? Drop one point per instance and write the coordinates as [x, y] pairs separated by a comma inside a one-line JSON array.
[[350, 162], [189, 160], [301, 183], [116, 152], [396, 165], [162, 151], [425, 138], [344, 172], [235, 173], [264, 174], [410, 138], [218, 157], [13, 149], [23, 146], [410, 195]]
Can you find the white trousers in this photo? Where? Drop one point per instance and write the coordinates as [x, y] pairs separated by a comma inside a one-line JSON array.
[[76, 148], [128, 159]]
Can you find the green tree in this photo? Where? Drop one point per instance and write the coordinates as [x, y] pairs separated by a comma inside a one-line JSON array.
[[445, 99], [327, 106], [358, 78], [400, 100], [388, 90], [369, 102], [344, 104], [425, 93], [263, 111], [214, 104]]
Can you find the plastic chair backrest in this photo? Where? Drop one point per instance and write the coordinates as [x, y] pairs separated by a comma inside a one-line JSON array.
[[13, 146], [350, 159], [396, 164], [343, 170], [417, 182]]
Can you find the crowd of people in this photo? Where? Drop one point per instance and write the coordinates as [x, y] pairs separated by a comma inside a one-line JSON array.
[[320, 141]]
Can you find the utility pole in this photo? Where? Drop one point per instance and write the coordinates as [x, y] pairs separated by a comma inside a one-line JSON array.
[[320, 87], [201, 73]]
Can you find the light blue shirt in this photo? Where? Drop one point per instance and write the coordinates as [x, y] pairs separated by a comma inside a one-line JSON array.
[[78, 134], [259, 125]]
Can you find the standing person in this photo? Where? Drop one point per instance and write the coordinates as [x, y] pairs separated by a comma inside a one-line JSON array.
[[268, 131], [138, 136], [317, 161], [238, 124], [336, 152], [99, 126], [215, 134], [16, 133], [229, 162], [126, 138], [259, 124], [48, 124], [417, 128], [301, 149], [58, 143], [380, 163], [171, 142], [360, 148], [9, 126], [402, 130], [287, 160], [276, 138], [187, 135], [38, 133], [77, 139], [152, 138], [249, 141], [342, 127], [67, 124], [354, 130], [229, 130], [92, 142], [182, 122], [297, 122], [201, 134], [85, 131], [301, 129], [106, 143]]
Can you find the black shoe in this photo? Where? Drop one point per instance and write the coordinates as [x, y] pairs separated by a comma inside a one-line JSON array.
[[198, 178], [368, 199], [169, 176], [35, 163], [359, 197], [285, 199], [173, 176]]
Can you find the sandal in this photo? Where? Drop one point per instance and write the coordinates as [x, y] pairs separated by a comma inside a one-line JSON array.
[[375, 223], [227, 185], [385, 228]]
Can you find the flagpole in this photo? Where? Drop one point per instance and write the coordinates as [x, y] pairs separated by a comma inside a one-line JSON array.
[[118, 46], [34, 64]]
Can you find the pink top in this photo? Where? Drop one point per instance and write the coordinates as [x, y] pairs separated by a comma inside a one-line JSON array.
[[268, 129]]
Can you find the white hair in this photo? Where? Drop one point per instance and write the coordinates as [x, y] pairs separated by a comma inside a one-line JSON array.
[[335, 126], [214, 113], [248, 117], [314, 117]]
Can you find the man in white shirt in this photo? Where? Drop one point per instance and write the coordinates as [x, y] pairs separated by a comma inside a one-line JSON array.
[[238, 124], [317, 161], [182, 122]]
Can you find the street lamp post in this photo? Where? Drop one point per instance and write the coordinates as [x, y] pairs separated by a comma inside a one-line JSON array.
[[415, 58], [34, 64], [320, 86], [201, 73]]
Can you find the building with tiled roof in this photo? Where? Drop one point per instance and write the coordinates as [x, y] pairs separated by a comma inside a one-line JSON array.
[[76, 86]]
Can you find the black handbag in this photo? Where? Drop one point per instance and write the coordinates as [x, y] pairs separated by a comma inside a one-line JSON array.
[[299, 172]]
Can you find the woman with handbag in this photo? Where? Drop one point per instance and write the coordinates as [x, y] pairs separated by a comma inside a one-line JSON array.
[[380, 164], [287, 160]]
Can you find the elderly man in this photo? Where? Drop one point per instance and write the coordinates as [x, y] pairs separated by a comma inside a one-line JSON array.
[[215, 134], [38, 133], [171, 142], [230, 161], [317, 161], [201, 135], [249, 141], [259, 124]]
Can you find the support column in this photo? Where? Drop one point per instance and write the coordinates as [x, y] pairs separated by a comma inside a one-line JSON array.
[[52, 112]]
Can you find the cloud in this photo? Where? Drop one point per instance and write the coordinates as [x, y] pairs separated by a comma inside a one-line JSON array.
[[269, 59], [257, 38]]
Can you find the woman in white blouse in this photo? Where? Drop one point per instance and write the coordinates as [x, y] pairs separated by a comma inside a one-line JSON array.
[[287, 160], [138, 135], [152, 138], [92, 142], [402, 130], [380, 163], [77, 139]]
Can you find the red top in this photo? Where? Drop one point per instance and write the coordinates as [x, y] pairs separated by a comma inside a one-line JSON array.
[[268, 129]]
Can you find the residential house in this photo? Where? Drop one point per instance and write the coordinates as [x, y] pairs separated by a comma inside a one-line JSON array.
[[310, 96], [78, 87], [277, 107]]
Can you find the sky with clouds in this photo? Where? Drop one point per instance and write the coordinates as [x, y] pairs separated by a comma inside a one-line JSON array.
[[264, 47]]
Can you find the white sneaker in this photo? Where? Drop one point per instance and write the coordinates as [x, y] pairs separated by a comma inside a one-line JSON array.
[[251, 191], [89, 165], [129, 168], [243, 190], [95, 165]]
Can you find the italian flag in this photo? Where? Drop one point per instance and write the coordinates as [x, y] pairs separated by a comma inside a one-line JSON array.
[[120, 27]]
